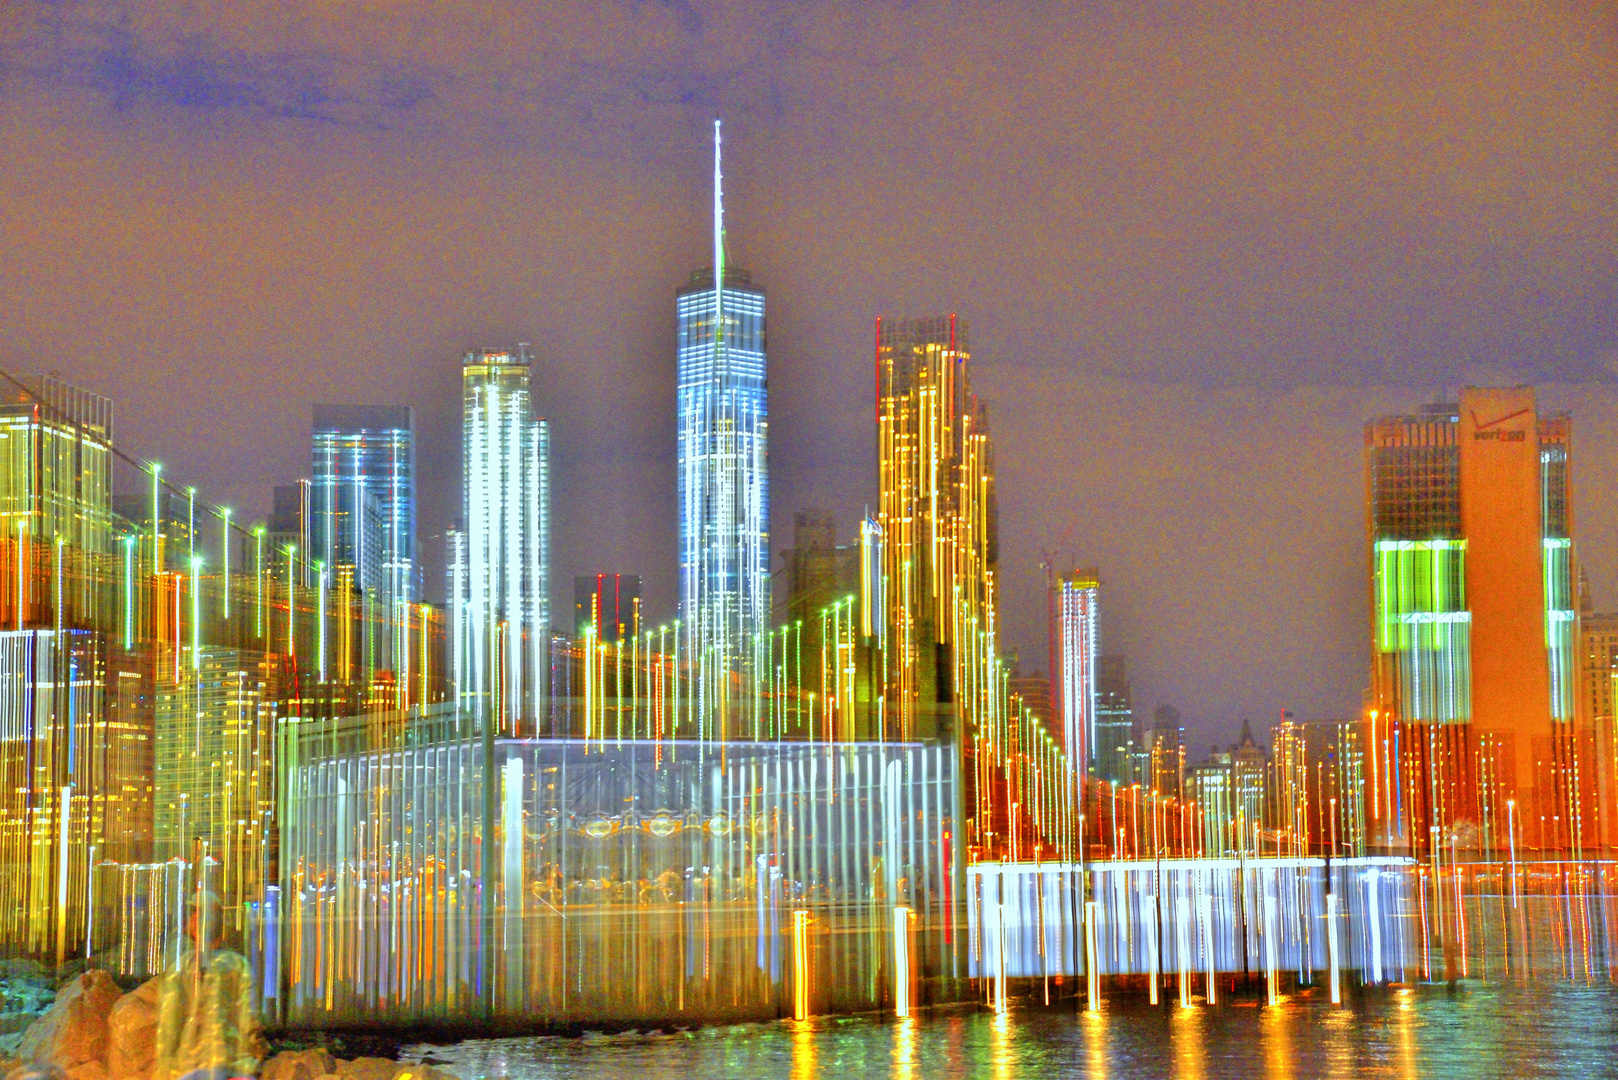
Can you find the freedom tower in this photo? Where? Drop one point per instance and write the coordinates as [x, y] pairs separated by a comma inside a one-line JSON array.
[[724, 477]]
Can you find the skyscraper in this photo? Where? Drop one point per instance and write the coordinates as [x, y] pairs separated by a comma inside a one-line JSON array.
[[56, 467], [499, 563], [1163, 752], [1598, 704], [943, 678], [1077, 656], [1115, 722], [937, 515], [723, 485], [1472, 723], [364, 456], [1208, 791]]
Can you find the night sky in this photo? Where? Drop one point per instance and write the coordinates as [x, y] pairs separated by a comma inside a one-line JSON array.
[[1196, 251]]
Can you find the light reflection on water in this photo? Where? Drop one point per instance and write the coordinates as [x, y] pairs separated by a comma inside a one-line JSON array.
[[1542, 1029]]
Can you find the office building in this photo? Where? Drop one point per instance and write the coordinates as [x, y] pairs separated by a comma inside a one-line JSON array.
[[1336, 802], [499, 561], [1208, 793], [213, 759], [363, 470], [1249, 791], [1290, 787], [820, 572], [937, 519], [1471, 721], [1163, 753], [1076, 655], [723, 481], [1114, 723], [830, 651], [936, 512], [55, 490], [1034, 688], [289, 528], [1598, 704]]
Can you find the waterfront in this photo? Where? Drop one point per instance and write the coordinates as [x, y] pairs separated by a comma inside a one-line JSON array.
[[1473, 1029]]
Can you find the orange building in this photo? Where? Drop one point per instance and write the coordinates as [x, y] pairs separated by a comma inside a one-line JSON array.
[[1473, 739]]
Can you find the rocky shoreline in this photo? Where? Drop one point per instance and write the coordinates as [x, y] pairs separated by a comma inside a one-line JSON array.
[[91, 1029]]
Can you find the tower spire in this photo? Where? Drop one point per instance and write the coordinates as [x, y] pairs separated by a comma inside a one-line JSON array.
[[718, 241]]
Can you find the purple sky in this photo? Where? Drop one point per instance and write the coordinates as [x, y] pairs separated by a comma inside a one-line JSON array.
[[1195, 251]]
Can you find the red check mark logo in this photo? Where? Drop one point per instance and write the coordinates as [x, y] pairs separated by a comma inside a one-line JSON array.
[[1497, 421]]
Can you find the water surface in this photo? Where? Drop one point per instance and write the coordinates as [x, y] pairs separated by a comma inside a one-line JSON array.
[[1474, 1029]]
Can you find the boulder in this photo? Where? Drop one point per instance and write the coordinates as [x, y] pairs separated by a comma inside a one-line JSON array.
[[423, 1072], [132, 1032], [368, 1068], [299, 1065], [36, 1072], [74, 1029]]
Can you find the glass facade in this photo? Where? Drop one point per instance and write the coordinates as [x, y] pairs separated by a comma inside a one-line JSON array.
[[1561, 616], [1422, 619], [364, 496], [723, 485], [1079, 627], [499, 565]]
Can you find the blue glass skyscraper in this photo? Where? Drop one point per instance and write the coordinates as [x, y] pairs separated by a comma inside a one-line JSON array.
[[362, 517], [724, 478], [499, 563], [364, 494]]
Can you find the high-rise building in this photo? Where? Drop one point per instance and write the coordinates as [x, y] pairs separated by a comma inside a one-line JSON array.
[[723, 482], [499, 562], [213, 764], [1077, 656], [1034, 688], [61, 799], [937, 516], [1598, 635], [1291, 794], [823, 587], [1249, 768], [289, 527], [1115, 722], [608, 605], [1471, 723], [56, 465], [1208, 791], [1163, 752], [820, 571], [1337, 802], [365, 498], [56, 493]]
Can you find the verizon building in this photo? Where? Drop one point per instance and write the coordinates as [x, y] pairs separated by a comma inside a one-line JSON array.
[[1472, 741]]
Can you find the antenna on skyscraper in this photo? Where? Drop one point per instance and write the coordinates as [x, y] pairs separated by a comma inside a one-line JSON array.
[[718, 242]]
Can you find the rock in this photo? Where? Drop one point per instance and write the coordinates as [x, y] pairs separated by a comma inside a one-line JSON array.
[[36, 1072], [368, 1068], [132, 1032], [90, 1070], [74, 1029], [424, 1071], [299, 1065]]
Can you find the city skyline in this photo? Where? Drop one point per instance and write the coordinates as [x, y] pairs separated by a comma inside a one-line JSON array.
[[846, 204]]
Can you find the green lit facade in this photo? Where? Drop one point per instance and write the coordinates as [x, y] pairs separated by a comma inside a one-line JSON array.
[[1422, 619]]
